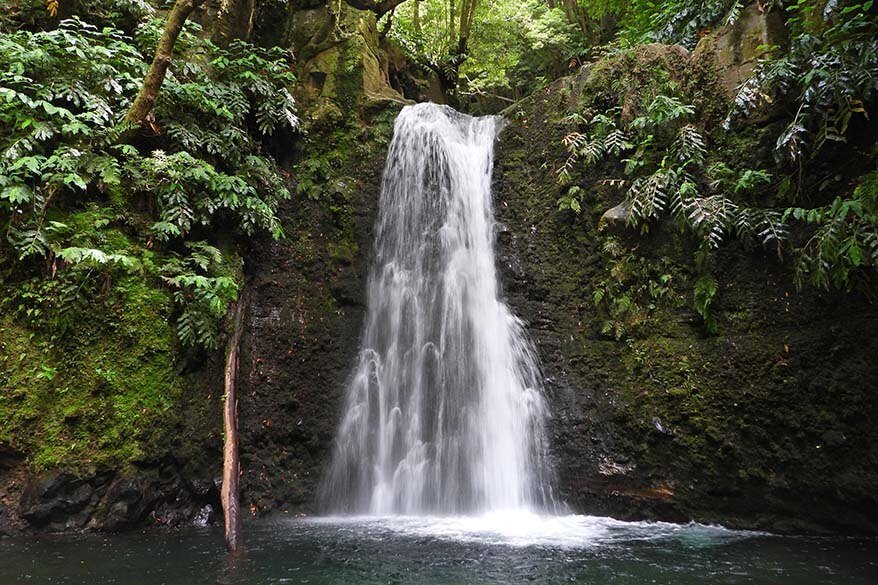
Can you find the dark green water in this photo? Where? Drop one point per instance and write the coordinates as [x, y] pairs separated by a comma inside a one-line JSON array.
[[503, 549]]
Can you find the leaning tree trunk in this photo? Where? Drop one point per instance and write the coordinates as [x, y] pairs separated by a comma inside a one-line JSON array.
[[231, 463], [164, 52], [448, 70]]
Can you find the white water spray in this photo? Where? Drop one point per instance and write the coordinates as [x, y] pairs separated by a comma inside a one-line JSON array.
[[444, 412]]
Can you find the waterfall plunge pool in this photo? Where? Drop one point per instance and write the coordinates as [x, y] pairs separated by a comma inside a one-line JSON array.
[[444, 413], [498, 548]]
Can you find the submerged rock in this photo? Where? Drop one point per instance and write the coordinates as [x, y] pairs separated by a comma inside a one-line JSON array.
[[204, 517]]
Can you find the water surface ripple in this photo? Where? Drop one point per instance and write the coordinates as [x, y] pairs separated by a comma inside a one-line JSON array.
[[498, 549]]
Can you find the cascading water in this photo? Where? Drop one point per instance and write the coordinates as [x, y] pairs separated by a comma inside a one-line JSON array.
[[444, 412]]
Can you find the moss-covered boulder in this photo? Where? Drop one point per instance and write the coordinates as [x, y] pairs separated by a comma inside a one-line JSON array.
[[733, 50], [337, 47]]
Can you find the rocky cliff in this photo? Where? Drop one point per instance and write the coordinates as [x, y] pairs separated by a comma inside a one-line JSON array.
[[765, 424], [764, 421]]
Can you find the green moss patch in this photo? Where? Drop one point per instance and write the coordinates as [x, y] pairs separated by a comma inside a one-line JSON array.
[[99, 395]]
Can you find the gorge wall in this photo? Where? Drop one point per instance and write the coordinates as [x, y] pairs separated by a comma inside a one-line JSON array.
[[768, 423], [765, 424]]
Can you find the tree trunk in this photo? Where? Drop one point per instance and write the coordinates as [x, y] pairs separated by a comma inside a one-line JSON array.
[[164, 52], [231, 463], [460, 24], [467, 14], [388, 24], [234, 21], [578, 15], [452, 23]]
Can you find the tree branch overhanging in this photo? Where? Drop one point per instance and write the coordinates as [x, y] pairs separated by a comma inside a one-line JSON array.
[[164, 53]]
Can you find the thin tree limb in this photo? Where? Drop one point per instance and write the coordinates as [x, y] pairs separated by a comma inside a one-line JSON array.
[[379, 7]]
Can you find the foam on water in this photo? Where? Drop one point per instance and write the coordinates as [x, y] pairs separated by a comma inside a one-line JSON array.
[[519, 528]]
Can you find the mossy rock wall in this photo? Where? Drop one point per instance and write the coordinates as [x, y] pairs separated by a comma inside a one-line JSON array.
[[306, 310], [767, 424], [100, 425]]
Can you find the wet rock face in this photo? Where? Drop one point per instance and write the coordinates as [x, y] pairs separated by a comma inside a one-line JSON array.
[[767, 424], [735, 49], [307, 290], [128, 499], [304, 320], [55, 498], [113, 501]]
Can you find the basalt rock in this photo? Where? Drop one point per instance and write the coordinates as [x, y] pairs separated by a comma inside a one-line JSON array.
[[113, 500], [615, 217], [303, 324], [736, 48], [54, 498], [767, 424]]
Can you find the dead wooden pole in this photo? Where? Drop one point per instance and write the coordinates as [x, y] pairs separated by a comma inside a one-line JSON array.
[[231, 463]]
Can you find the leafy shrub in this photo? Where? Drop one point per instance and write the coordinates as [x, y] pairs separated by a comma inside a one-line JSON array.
[[845, 241], [820, 87], [830, 70], [63, 95], [664, 162], [203, 288]]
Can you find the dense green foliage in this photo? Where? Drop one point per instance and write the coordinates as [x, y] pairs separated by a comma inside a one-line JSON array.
[[119, 252], [66, 155], [823, 79], [673, 22], [668, 172], [513, 47], [674, 160], [831, 73]]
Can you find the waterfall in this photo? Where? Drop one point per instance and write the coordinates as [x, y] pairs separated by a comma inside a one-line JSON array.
[[444, 411]]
